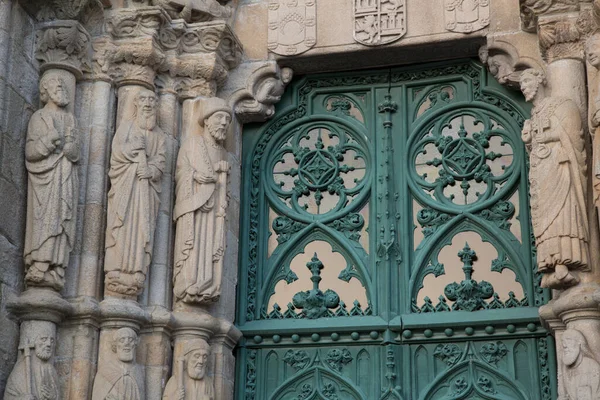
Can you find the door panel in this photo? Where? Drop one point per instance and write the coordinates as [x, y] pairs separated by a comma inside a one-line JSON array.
[[386, 242]]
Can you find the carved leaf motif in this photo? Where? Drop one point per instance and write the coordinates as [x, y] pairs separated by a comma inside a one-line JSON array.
[[337, 358], [431, 220], [448, 353], [493, 352], [297, 359]]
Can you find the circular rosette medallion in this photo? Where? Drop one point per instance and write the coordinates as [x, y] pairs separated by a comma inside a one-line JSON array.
[[462, 158], [319, 168]]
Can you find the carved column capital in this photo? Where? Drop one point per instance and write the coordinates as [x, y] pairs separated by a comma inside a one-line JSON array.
[[63, 44], [264, 88], [561, 25], [137, 53], [198, 56], [49, 10]]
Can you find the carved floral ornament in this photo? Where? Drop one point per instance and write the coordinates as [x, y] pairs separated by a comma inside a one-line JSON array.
[[63, 45]]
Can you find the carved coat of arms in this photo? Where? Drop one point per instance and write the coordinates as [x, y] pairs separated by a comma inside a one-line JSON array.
[[466, 16], [379, 22], [292, 26]]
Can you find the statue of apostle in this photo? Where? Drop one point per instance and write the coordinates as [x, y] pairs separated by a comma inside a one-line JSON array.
[[592, 51], [581, 372], [51, 152], [34, 376], [201, 201], [117, 379], [136, 166], [557, 178], [189, 380]]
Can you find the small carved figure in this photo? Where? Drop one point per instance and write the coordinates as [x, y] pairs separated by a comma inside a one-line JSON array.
[[118, 378], [136, 167], [51, 152], [201, 202], [271, 89], [554, 136], [581, 372], [34, 377], [189, 380]]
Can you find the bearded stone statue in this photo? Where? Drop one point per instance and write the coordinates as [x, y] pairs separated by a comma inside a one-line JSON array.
[[51, 152], [136, 167], [189, 380], [34, 376], [200, 206], [581, 372], [557, 176], [119, 377]]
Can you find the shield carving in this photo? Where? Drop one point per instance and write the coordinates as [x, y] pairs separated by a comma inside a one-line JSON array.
[[292, 26], [467, 16], [378, 22]]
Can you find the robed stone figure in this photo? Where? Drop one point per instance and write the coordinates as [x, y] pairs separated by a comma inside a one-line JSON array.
[[592, 51], [580, 371], [136, 167], [119, 377], [557, 176], [51, 152], [189, 380], [34, 376], [201, 202]]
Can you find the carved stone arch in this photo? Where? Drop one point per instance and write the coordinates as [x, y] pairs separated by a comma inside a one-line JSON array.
[[264, 88], [505, 61], [471, 378], [313, 381]]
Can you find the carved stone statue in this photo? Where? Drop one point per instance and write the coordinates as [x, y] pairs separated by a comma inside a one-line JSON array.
[[136, 167], [118, 378], [201, 202], [581, 372], [189, 380], [34, 376], [592, 51], [557, 176], [51, 152]]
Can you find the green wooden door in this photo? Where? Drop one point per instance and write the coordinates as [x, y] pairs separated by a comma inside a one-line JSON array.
[[386, 246]]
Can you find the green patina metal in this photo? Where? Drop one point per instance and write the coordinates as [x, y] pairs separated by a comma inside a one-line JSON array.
[[376, 127]]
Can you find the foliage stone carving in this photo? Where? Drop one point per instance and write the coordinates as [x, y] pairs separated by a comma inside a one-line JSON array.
[[337, 358], [493, 352], [448, 353], [297, 359]]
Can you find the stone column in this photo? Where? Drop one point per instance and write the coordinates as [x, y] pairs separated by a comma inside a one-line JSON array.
[[53, 151], [573, 314], [137, 168]]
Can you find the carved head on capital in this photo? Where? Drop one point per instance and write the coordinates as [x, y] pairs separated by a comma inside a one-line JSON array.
[[44, 343], [216, 118], [531, 81], [592, 50], [54, 90], [574, 347], [196, 354], [124, 342]]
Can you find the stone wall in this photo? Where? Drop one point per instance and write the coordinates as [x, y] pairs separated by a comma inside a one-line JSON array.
[[18, 100]]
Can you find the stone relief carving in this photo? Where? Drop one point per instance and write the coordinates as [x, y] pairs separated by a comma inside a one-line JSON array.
[[466, 16], [592, 50], [554, 137], [200, 207], [63, 44], [136, 167], [531, 9], [581, 372], [195, 10], [119, 378], [189, 380], [292, 26], [51, 152], [34, 375], [378, 22], [264, 89]]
